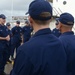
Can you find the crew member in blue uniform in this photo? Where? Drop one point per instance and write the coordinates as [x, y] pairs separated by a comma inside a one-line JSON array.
[[8, 25], [56, 30], [16, 35], [4, 39], [68, 40], [27, 29], [43, 54]]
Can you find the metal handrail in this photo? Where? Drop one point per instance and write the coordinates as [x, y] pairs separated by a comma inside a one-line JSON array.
[[56, 11], [60, 10]]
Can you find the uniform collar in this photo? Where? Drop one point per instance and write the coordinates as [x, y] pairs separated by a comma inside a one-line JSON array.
[[17, 26], [0, 25], [43, 32], [68, 33]]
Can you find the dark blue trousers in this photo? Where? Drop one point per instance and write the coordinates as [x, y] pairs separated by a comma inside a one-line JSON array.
[[14, 47], [3, 57]]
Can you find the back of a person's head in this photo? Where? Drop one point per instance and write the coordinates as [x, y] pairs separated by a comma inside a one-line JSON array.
[[66, 19], [40, 11]]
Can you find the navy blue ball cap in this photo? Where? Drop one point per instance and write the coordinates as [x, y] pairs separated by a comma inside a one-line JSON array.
[[27, 22], [67, 19], [18, 22], [2, 16], [57, 21], [37, 9], [8, 24]]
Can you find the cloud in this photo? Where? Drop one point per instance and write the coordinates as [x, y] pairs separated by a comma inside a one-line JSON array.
[[14, 7]]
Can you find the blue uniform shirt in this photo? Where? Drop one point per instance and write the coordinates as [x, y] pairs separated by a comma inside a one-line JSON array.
[[3, 33], [10, 34], [26, 33], [9, 31], [56, 32], [43, 54], [16, 31], [68, 41]]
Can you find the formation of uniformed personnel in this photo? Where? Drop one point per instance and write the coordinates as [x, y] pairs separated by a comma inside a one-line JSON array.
[[66, 23], [4, 39], [16, 38], [56, 30], [43, 54], [27, 29]]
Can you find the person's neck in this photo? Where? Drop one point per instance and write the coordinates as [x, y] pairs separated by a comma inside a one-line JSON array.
[[63, 31], [1, 23], [39, 27], [17, 26]]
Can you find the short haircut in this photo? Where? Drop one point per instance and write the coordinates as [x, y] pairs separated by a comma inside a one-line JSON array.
[[44, 22]]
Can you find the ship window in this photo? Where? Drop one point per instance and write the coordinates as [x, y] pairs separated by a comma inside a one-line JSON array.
[[64, 3]]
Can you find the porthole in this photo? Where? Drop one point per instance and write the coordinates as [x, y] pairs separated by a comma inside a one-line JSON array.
[[64, 3]]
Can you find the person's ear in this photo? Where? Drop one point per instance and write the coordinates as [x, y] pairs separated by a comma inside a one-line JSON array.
[[51, 19], [59, 26], [30, 20]]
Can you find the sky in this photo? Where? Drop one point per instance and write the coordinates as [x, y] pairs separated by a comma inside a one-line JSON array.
[[14, 7]]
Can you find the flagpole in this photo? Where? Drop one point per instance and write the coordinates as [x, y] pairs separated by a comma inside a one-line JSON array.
[[11, 11]]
